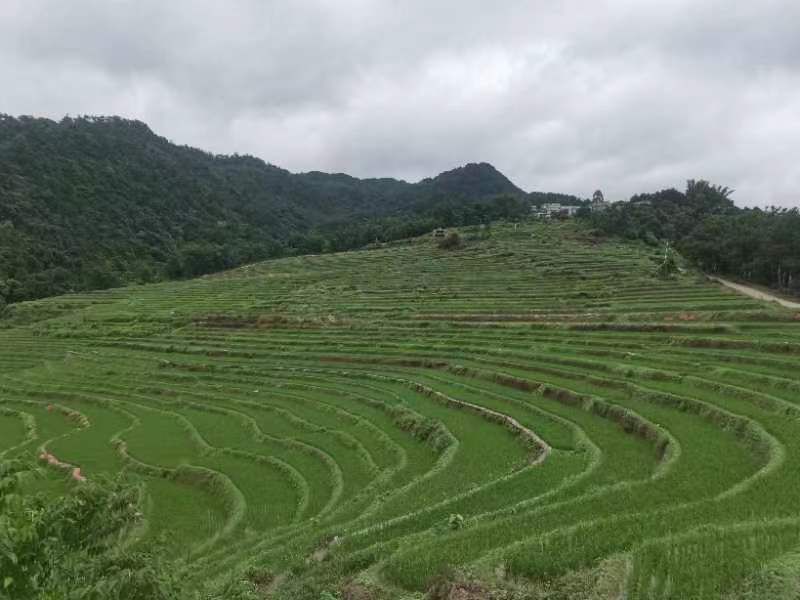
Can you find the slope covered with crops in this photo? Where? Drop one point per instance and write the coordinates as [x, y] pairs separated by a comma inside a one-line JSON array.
[[532, 411]]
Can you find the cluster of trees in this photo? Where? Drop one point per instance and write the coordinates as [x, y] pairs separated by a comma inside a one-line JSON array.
[[761, 246], [755, 245], [74, 546], [96, 202]]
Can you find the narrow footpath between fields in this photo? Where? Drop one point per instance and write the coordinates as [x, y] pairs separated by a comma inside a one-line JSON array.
[[755, 293]]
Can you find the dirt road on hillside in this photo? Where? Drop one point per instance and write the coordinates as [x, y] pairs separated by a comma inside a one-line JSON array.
[[755, 293]]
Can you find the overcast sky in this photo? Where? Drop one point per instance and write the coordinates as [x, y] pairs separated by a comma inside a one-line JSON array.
[[560, 95]]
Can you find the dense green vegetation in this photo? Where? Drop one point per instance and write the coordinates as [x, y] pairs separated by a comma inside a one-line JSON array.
[[532, 412], [751, 244], [72, 546], [97, 202]]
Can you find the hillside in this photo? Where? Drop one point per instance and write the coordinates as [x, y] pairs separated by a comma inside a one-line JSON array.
[[534, 412], [751, 244], [95, 202]]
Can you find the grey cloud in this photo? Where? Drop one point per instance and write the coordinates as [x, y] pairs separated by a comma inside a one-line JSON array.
[[624, 95]]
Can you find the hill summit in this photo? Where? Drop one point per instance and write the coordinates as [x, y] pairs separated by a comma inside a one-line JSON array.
[[474, 179]]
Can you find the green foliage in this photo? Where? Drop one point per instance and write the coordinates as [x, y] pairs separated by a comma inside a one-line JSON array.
[[65, 548], [705, 226], [69, 546], [98, 202], [668, 266], [318, 423]]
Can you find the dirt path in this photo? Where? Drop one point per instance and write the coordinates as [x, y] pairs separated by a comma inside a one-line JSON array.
[[755, 293]]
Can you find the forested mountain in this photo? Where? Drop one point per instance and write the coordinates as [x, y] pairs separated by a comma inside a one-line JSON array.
[[762, 246], [95, 202], [480, 179]]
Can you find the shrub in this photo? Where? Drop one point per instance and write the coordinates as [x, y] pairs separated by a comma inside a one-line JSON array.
[[668, 267], [69, 547], [450, 242]]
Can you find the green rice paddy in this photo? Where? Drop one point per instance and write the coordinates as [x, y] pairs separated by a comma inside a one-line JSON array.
[[535, 411]]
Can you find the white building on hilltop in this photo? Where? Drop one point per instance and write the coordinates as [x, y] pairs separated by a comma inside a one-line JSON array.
[[549, 210]]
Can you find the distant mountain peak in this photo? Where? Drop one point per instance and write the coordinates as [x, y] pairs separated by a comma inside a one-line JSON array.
[[475, 179]]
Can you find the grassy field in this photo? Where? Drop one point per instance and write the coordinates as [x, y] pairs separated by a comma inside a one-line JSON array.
[[532, 415]]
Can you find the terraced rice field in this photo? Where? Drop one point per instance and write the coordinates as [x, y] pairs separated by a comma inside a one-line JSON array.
[[329, 419]]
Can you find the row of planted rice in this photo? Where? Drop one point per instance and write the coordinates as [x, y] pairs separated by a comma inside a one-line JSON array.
[[536, 404]]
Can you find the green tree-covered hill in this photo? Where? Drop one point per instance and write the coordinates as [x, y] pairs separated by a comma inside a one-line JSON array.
[[95, 202], [760, 246]]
